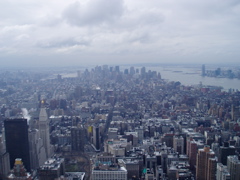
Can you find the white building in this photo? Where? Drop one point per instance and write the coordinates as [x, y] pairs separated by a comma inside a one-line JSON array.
[[36, 149], [44, 131], [112, 133], [178, 144], [117, 147], [222, 172], [109, 173]]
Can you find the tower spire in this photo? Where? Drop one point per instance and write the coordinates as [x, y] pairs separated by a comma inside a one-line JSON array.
[[44, 130]]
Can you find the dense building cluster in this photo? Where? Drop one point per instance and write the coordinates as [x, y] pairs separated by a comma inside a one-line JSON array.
[[113, 124], [221, 73]]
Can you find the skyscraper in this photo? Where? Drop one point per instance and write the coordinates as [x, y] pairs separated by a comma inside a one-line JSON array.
[[17, 143], [132, 70], [222, 172], [77, 138], [206, 164], [203, 70], [4, 158], [117, 69], [96, 137], [225, 151], [235, 112], [44, 131], [143, 71], [178, 144], [36, 149], [233, 166]]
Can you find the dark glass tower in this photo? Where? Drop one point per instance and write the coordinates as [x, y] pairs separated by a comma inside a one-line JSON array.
[[17, 143], [77, 135]]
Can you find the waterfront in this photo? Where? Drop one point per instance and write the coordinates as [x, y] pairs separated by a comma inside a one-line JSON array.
[[189, 76], [185, 75]]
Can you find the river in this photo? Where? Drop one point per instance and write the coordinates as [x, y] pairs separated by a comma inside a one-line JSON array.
[[186, 75], [192, 76]]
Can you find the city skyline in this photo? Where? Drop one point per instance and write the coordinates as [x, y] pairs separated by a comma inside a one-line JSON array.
[[60, 33], [118, 123]]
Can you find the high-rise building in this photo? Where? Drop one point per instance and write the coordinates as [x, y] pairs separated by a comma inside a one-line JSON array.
[[37, 150], [203, 70], [233, 166], [222, 172], [178, 144], [143, 71], [4, 158], [117, 69], [44, 131], [211, 168], [105, 67], [126, 71], [139, 130], [235, 112], [225, 151], [77, 138], [96, 137], [206, 164], [17, 142], [132, 70], [192, 150]]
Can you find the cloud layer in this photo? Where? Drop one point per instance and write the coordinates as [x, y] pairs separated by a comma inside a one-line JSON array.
[[119, 31]]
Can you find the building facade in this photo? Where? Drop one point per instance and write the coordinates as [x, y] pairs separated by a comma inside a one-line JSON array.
[[77, 138], [109, 174], [44, 131], [17, 142], [233, 166], [206, 164]]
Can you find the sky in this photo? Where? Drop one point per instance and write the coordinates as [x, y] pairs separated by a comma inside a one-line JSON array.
[[78, 32]]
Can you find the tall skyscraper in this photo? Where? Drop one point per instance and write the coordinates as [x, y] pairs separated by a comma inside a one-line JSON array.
[[96, 137], [77, 138], [235, 112], [203, 70], [222, 172], [44, 131], [17, 143], [143, 71], [178, 144], [117, 69], [36, 148], [233, 166], [225, 151], [132, 70], [4, 158], [206, 164]]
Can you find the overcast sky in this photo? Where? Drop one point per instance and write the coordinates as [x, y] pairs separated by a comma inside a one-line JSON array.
[[76, 32]]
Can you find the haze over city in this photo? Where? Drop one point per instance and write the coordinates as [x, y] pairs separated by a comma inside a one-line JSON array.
[[119, 90], [60, 33]]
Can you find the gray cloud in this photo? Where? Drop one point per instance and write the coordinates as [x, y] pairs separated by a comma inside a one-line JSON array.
[[175, 30], [93, 12], [70, 42]]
